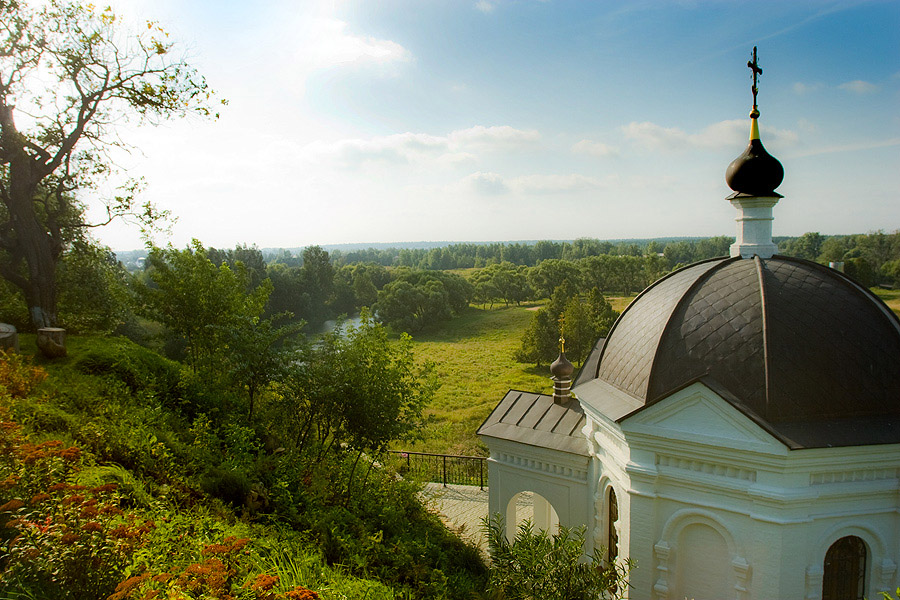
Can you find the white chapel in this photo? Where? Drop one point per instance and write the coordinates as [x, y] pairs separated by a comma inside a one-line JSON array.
[[736, 434]]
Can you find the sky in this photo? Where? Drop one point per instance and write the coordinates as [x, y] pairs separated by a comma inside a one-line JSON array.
[[496, 120]]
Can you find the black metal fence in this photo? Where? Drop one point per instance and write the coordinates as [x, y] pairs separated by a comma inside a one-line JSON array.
[[444, 468]]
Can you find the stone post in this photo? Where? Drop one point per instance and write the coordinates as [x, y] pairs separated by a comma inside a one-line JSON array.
[[52, 341], [9, 339]]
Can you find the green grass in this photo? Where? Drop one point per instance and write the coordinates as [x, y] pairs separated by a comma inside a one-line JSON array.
[[473, 356], [890, 297]]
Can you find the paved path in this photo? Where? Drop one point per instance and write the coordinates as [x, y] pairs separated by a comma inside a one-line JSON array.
[[462, 508]]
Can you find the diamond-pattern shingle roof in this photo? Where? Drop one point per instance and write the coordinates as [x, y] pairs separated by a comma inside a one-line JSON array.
[[800, 348]]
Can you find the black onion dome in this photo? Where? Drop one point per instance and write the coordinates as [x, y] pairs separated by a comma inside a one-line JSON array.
[[803, 350], [561, 367], [755, 172]]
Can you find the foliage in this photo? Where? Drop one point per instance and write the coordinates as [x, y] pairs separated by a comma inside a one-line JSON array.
[[550, 274], [355, 389], [503, 281], [317, 277], [380, 530], [585, 318], [257, 353], [416, 299], [539, 566], [197, 300], [75, 74]]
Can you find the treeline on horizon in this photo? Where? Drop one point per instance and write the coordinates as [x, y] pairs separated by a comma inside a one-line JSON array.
[[410, 288], [875, 248]]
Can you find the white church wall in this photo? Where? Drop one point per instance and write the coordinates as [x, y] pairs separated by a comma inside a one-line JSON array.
[[558, 478], [694, 477]]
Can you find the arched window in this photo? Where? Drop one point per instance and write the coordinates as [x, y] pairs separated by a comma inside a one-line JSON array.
[[612, 516], [845, 570]]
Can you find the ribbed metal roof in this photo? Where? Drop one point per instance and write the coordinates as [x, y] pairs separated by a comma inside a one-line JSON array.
[[800, 348], [536, 420]]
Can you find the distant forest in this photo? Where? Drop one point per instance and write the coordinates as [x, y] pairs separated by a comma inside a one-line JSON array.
[[410, 288], [870, 258]]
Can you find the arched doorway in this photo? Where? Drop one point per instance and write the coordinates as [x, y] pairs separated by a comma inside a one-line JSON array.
[[845, 570], [534, 507]]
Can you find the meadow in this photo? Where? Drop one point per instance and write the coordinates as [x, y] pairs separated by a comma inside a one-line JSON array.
[[473, 357], [890, 297]]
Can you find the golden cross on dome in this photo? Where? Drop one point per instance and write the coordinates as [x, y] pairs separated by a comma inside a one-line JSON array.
[[755, 68]]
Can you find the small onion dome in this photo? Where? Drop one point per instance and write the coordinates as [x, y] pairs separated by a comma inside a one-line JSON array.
[[755, 172], [561, 367]]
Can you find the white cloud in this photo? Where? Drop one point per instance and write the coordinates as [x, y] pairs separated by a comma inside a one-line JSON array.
[[493, 184], [487, 184], [801, 88], [859, 86], [455, 147], [328, 43], [718, 135], [496, 137], [654, 136], [554, 184], [593, 148], [485, 6]]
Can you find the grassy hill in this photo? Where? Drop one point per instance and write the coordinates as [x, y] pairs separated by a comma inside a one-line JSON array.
[[122, 477]]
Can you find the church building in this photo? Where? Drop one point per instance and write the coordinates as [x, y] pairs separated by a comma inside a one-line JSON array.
[[736, 434]]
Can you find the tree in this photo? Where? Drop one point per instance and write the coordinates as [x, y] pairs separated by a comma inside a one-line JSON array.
[[550, 274], [257, 352], [75, 74], [317, 276], [355, 389], [197, 300], [808, 246]]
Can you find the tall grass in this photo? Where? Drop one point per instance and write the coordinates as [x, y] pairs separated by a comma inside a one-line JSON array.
[[295, 566]]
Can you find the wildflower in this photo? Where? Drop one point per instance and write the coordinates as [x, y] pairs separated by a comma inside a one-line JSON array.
[[124, 589], [57, 487], [38, 498], [264, 582], [301, 593], [92, 526], [69, 538], [109, 487], [12, 505]]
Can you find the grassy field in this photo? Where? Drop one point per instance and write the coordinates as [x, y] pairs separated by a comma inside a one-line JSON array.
[[890, 297], [473, 356]]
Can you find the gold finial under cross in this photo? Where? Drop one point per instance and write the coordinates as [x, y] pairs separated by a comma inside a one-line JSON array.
[[757, 71]]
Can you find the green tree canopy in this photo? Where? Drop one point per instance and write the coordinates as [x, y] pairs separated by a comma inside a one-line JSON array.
[[197, 300]]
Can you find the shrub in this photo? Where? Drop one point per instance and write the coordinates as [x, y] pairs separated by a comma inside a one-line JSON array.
[[540, 566]]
